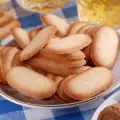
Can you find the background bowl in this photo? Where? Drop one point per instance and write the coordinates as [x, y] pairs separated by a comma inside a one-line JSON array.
[[14, 96], [44, 11]]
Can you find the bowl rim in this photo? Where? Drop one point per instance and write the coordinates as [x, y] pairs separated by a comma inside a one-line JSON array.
[[32, 105]]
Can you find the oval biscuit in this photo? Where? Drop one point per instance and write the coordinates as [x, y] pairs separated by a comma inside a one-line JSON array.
[[21, 37], [70, 44], [38, 43], [89, 83], [104, 48], [61, 24], [30, 83]]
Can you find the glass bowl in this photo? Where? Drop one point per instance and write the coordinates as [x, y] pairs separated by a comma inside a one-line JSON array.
[[14, 96]]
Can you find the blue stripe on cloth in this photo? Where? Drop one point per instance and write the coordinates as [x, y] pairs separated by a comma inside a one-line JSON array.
[[87, 114], [16, 115], [30, 21], [7, 107], [70, 11], [72, 116], [65, 111]]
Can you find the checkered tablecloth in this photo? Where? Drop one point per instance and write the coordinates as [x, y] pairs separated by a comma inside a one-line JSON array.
[[11, 111]]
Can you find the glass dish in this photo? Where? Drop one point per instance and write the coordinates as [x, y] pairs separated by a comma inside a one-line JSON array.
[[43, 6], [14, 96]]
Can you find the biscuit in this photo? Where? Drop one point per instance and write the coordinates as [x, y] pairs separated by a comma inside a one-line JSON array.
[[60, 23], [84, 28], [51, 56], [6, 30], [60, 91], [34, 32], [49, 75], [57, 79], [50, 66], [75, 56], [74, 27], [7, 60], [111, 112], [2, 53], [30, 83], [58, 98], [1, 78], [21, 37], [76, 63], [81, 69], [16, 61], [104, 48], [70, 44], [5, 19], [87, 54], [90, 31], [43, 72], [70, 60], [85, 85], [38, 43]]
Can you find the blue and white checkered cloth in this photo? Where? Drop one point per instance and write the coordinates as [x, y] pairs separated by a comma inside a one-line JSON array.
[[11, 111]]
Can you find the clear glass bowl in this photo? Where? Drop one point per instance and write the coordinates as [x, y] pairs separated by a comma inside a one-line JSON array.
[[14, 96], [44, 6]]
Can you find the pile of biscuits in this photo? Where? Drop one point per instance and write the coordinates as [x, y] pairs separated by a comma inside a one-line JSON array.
[[6, 23], [69, 62]]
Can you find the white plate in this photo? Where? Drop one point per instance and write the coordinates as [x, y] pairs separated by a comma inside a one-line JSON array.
[[115, 98]]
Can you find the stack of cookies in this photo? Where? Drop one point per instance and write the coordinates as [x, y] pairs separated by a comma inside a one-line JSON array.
[[6, 23], [67, 62]]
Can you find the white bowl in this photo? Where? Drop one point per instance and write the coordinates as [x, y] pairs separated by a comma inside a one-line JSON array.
[[114, 99]]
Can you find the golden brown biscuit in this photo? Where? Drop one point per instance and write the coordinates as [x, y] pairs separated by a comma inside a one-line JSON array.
[[104, 48], [7, 60], [81, 69], [1, 58], [38, 43], [111, 112], [85, 85], [76, 63], [50, 66], [90, 31], [2, 53], [84, 29], [6, 30], [30, 83], [16, 61], [34, 32], [75, 55], [60, 89], [57, 79], [70, 44], [60, 23], [51, 56], [74, 27], [5, 19], [21, 37], [49, 75], [58, 98], [87, 54]]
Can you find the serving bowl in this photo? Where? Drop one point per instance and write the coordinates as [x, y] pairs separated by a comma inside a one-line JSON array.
[[14, 96], [70, 2]]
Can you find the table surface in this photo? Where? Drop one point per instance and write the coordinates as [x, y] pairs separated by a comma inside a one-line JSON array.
[[11, 111]]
